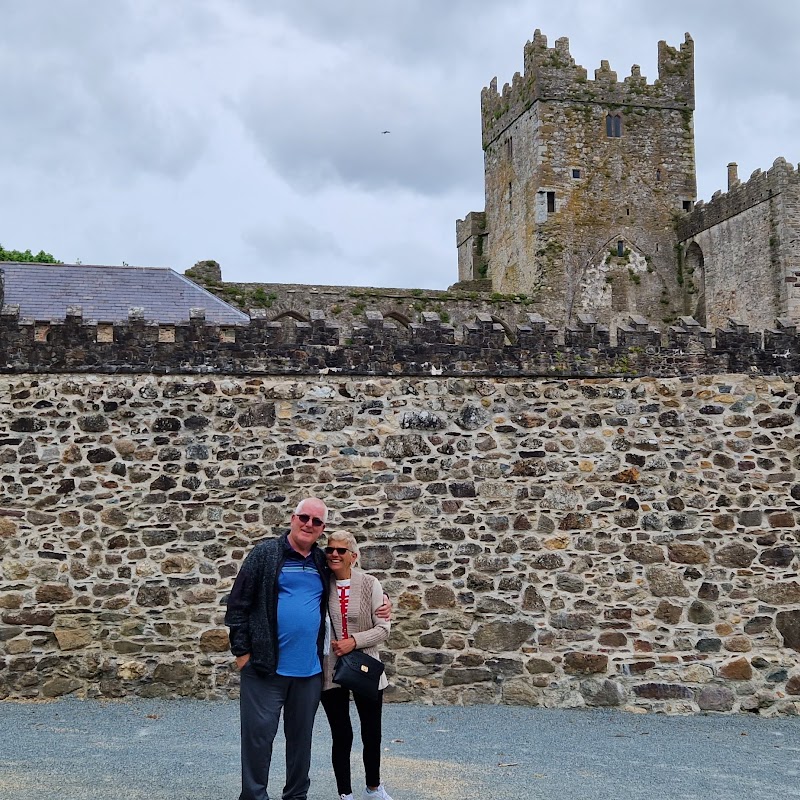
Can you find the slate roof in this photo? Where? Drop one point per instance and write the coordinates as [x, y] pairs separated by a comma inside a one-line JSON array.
[[44, 291]]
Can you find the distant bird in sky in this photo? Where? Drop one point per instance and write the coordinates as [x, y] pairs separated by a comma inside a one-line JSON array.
[[384, 132]]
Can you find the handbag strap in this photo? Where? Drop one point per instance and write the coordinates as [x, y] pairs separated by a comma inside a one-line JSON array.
[[331, 618]]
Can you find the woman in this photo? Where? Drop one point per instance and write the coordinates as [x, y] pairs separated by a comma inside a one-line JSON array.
[[354, 597]]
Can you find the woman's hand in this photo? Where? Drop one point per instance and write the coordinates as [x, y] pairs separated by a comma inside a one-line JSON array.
[[341, 648], [385, 611]]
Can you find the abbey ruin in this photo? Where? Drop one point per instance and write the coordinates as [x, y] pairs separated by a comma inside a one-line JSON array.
[[591, 201]]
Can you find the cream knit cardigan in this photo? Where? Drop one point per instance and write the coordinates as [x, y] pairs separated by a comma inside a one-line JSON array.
[[366, 596]]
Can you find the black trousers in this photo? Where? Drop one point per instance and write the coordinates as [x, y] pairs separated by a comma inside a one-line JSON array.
[[336, 703], [261, 700]]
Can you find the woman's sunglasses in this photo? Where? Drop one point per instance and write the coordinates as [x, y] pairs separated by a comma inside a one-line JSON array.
[[315, 521], [340, 551]]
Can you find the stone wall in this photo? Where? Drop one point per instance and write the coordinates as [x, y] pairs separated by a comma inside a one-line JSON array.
[[748, 241], [349, 306], [618, 542], [485, 347]]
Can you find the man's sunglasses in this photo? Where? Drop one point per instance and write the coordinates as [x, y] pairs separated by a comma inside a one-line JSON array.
[[315, 521], [340, 551]]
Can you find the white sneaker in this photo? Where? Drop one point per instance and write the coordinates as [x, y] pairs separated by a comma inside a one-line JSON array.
[[379, 794], [346, 796]]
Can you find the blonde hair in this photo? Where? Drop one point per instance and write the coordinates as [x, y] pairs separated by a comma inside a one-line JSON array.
[[343, 536]]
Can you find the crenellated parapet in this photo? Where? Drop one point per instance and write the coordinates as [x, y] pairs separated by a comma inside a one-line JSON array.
[[759, 188], [637, 332], [487, 345], [781, 338], [587, 332], [550, 73]]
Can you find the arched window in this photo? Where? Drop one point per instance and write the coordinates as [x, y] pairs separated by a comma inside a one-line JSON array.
[[614, 126]]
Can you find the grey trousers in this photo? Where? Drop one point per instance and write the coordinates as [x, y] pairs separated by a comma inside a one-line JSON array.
[[260, 702]]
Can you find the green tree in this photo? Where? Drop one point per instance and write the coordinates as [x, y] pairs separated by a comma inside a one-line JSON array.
[[18, 255]]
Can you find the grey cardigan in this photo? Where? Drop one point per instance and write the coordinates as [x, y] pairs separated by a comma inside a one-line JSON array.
[[366, 596]]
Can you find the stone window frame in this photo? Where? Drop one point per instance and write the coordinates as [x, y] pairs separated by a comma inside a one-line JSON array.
[[551, 202], [614, 125], [576, 173]]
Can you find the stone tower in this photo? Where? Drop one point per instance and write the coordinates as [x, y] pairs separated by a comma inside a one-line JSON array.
[[584, 179]]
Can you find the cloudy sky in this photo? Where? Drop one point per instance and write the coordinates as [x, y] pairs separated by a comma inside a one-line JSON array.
[[161, 132]]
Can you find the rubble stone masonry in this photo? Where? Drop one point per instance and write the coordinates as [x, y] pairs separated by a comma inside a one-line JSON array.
[[746, 245], [617, 541]]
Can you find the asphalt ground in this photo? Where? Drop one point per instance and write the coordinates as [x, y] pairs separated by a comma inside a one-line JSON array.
[[188, 750]]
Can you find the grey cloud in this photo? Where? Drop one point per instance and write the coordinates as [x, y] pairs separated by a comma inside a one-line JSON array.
[[80, 97], [330, 132], [296, 239], [294, 250], [411, 29], [92, 32], [149, 132], [408, 264], [729, 38]]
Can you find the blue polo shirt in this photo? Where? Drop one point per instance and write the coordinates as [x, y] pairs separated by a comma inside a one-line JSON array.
[[299, 597]]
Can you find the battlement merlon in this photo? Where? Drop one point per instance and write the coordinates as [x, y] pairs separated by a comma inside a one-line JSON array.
[[471, 235], [550, 73], [473, 224], [676, 71]]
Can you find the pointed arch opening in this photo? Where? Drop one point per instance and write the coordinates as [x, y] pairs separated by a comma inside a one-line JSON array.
[[694, 281]]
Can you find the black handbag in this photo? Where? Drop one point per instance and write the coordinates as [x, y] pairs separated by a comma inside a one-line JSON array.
[[358, 672]]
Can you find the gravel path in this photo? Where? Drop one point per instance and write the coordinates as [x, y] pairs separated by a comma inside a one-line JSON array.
[[188, 750]]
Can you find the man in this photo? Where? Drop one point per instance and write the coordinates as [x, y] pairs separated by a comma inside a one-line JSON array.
[[276, 615]]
